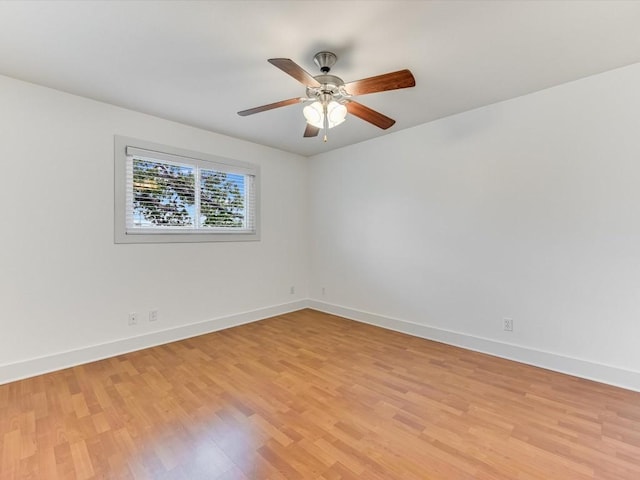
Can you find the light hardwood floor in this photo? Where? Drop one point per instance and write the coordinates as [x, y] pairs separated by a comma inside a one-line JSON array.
[[313, 396]]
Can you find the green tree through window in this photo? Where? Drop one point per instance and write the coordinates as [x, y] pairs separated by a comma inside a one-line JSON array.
[[165, 195], [221, 199]]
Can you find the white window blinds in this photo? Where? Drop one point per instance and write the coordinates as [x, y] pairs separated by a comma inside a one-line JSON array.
[[166, 193]]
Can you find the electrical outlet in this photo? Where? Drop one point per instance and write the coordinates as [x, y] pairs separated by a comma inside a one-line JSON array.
[[292, 290], [507, 324], [153, 315], [324, 291], [133, 318]]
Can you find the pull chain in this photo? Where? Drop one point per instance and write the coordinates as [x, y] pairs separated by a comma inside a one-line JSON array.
[[326, 119]]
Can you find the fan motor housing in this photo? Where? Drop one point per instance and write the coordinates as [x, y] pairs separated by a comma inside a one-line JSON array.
[[329, 84], [329, 81]]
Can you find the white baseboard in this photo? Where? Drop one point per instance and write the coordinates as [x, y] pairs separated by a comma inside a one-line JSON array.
[[58, 361], [619, 377], [573, 366]]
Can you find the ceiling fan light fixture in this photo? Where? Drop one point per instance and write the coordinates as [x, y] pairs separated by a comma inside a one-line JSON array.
[[328, 96], [336, 114]]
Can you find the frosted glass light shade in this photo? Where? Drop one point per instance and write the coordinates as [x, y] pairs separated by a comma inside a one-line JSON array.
[[336, 114], [313, 114]]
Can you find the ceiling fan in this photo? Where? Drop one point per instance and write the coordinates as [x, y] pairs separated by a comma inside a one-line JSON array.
[[329, 98]]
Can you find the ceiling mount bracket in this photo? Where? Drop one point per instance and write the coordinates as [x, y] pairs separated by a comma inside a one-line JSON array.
[[325, 60]]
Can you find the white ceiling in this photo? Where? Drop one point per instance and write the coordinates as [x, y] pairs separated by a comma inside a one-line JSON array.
[[200, 62]]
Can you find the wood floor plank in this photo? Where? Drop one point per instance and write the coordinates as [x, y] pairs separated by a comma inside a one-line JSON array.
[[314, 396]]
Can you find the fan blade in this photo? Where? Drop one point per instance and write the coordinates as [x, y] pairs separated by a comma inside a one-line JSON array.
[[381, 83], [369, 115], [270, 106], [296, 71], [311, 131]]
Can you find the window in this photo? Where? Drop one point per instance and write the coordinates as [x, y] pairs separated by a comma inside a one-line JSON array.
[[165, 194]]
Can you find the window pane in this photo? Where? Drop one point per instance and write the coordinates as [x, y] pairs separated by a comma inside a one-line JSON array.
[[166, 194], [222, 199], [163, 194]]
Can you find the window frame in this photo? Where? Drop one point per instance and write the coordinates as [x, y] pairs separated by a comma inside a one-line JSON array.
[[189, 157]]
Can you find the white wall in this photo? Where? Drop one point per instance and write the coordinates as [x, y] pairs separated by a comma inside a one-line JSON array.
[[528, 209], [66, 289]]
